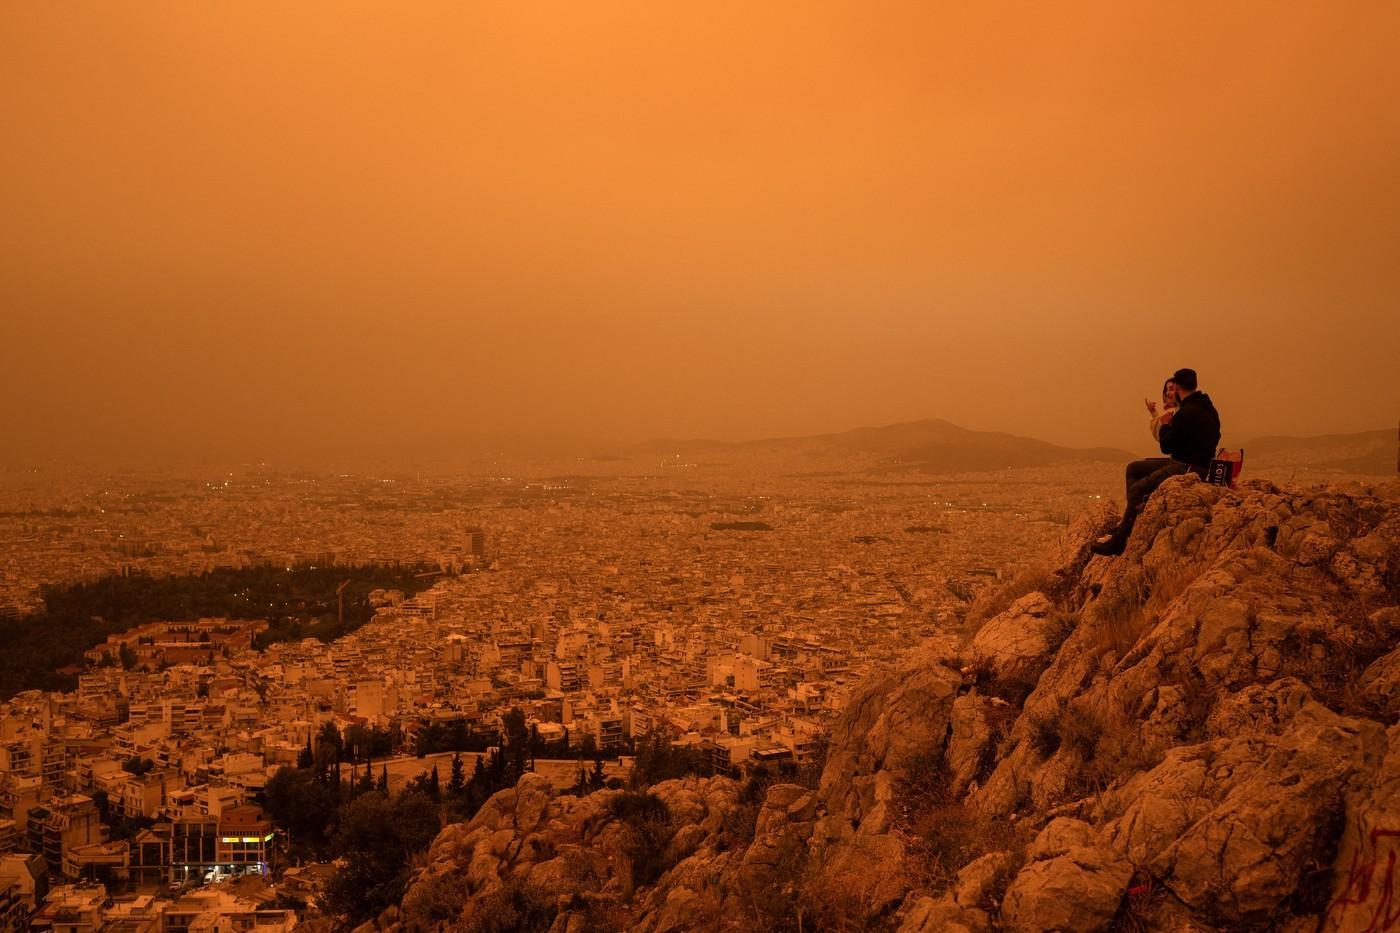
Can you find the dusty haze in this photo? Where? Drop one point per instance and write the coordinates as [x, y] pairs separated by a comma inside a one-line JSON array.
[[255, 229]]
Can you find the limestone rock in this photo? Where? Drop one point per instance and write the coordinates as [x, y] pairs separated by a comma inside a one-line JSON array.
[[1363, 893], [971, 739], [978, 881], [1231, 825], [1380, 684], [927, 915], [892, 721], [1018, 643], [1073, 883], [1261, 709]]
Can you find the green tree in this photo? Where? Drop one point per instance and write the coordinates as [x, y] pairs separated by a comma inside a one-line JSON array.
[[328, 750], [659, 760], [377, 838], [457, 781], [137, 765], [104, 805], [597, 779], [306, 807]]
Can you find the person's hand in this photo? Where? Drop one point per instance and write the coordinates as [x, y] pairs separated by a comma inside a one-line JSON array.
[[1168, 415], [1151, 407]]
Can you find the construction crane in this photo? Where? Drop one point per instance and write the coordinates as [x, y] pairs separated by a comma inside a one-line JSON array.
[[340, 602]]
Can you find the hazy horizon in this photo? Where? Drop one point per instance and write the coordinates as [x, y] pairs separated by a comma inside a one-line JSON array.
[[260, 231]]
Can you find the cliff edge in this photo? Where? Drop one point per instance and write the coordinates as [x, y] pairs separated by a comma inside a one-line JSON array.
[[1199, 735]]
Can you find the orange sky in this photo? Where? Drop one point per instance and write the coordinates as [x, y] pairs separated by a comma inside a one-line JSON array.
[[252, 228]]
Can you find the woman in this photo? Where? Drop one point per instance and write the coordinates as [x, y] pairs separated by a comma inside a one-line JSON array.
[[1169, 403]]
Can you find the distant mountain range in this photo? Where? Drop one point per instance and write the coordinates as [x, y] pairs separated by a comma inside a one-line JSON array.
[[930, 445], [1371, 452]]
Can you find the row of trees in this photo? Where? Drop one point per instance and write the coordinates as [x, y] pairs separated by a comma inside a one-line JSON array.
[[330, 810], [454, 737]]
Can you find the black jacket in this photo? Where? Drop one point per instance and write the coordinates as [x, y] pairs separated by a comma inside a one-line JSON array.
[[1193, 435]]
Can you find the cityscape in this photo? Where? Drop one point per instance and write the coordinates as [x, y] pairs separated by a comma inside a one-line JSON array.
[[826, 467], [734, 612]]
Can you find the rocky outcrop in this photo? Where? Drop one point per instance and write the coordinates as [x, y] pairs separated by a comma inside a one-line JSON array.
[[1019, 643], [1074, 881], [1199, 735]]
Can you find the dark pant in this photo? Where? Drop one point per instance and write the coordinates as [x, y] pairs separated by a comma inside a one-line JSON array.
[[1143, 477]]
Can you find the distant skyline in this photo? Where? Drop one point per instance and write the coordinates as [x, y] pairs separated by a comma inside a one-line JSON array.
[[262, 231]]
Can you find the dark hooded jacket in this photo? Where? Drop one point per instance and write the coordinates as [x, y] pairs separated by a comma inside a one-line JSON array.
[[1193, 435]]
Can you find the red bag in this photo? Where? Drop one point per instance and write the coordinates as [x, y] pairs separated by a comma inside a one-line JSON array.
[[1225, 469]]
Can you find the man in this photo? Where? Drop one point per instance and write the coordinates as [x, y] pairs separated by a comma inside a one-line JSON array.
[[1188, 437]]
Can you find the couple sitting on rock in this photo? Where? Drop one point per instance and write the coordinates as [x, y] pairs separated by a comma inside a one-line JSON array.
[[1188, 430]]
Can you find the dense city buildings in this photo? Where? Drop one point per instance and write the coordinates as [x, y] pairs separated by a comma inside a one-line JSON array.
[[729, 610]]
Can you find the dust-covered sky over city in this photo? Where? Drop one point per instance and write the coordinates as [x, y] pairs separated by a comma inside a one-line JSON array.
[[253, 229]]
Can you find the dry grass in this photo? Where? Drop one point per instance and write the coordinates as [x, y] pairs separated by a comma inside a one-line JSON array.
[[1080, 732], [1102, 749], [1167, 584], [943, 835], [944, 839], [1044, 735], [802, 899], [835, 904], [1137, 913], [1332, 667], [1115, 752], [1000, 717], [511, 908], [1200, 700], [438, 899], [1039, 578], [1067, 727], [741, 820], [1117, 622], [926, 782]]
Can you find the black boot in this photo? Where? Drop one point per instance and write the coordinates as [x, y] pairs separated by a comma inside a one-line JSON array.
[[1115, 544]]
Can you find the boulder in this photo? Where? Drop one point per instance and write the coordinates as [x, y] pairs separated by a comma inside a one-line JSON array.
[[1019, 643], [1362, 896], [893, 721], [942, 915], [1232, 825], [1074, 882], [1380, 684], [978, 883], [971, 740]]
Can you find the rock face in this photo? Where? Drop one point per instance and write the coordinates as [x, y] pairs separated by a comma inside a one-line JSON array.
[[1020, 642], [1073, 882], [1199, 735]]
